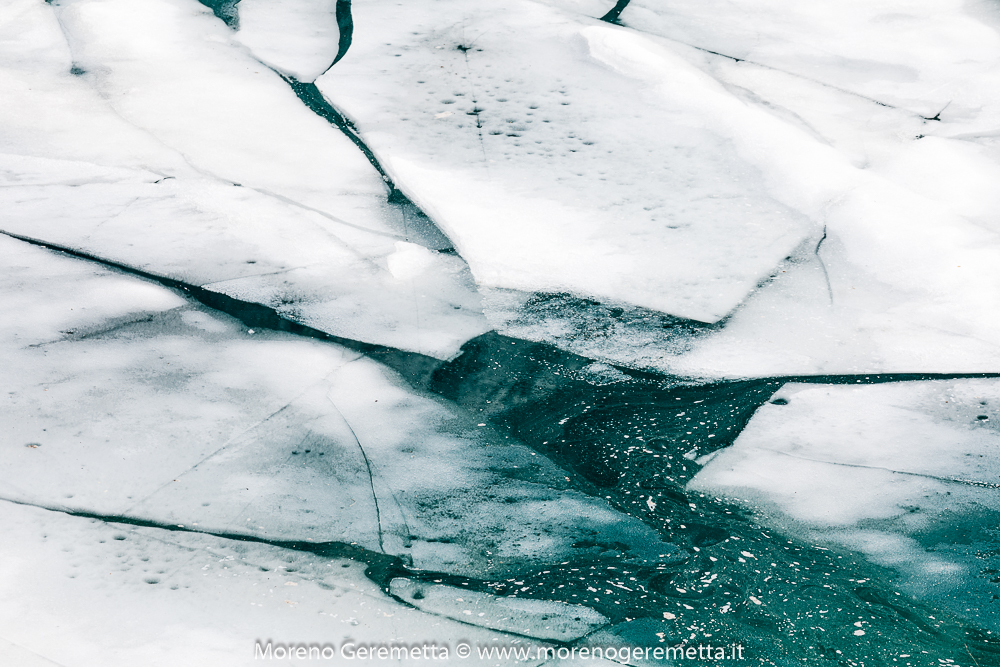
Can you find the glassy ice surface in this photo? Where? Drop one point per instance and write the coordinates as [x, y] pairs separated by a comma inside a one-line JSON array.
[[431, 325]]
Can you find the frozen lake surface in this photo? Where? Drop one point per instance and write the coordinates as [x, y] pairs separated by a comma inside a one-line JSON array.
[[553, 331]]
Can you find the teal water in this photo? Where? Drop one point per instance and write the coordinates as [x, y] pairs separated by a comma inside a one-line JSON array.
[[630, 438]]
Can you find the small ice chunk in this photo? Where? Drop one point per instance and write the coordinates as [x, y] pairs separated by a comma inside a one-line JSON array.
[[297, 37], [409, 260]]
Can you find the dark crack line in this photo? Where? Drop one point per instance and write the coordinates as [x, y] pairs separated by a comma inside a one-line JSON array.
[[822, 264], [804, 78], [476, 111], [261, 274], [820, 243], [950, 480], [407, 539], [389, 566], [295, 545], [328, 216], [371, 476], [118, 213], [937, 116], [616, 11], [69, 41], [288, 460], [310, 95], [223, 447], [113, 326], [798, 76], [253, 315], [345, 22]]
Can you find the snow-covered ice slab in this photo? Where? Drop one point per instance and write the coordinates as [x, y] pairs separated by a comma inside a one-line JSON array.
[[555, 168], [923, 56], [119, 387], [74, 591], [300, 38], [905, 93], [543, 619], [907, 473], [174, 70], [719, 169], [328, 274], [201, 164], [51, 111], [124, 399], [836, 107]]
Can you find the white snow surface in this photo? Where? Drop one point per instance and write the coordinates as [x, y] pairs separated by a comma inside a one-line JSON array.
[[171, 68], [194, 161], [819, 176], [123, 399], [552, 170], [74, 591], [299, 38], [905, 93], [907, 473], [781, 163]]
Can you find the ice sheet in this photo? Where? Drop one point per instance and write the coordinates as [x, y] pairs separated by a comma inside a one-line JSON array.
[[907, 473], [171, 68], [846, 133], [49, 109], [298, 38], [121, 595], [126, 400], [521, 142], [921, 56], [292, 216]]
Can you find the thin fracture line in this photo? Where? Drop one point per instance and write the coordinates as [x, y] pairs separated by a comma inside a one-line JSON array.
[[953, 480], [371, 477]]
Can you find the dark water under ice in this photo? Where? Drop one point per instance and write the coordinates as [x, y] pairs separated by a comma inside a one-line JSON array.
[[623, 436], [632, 438]]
